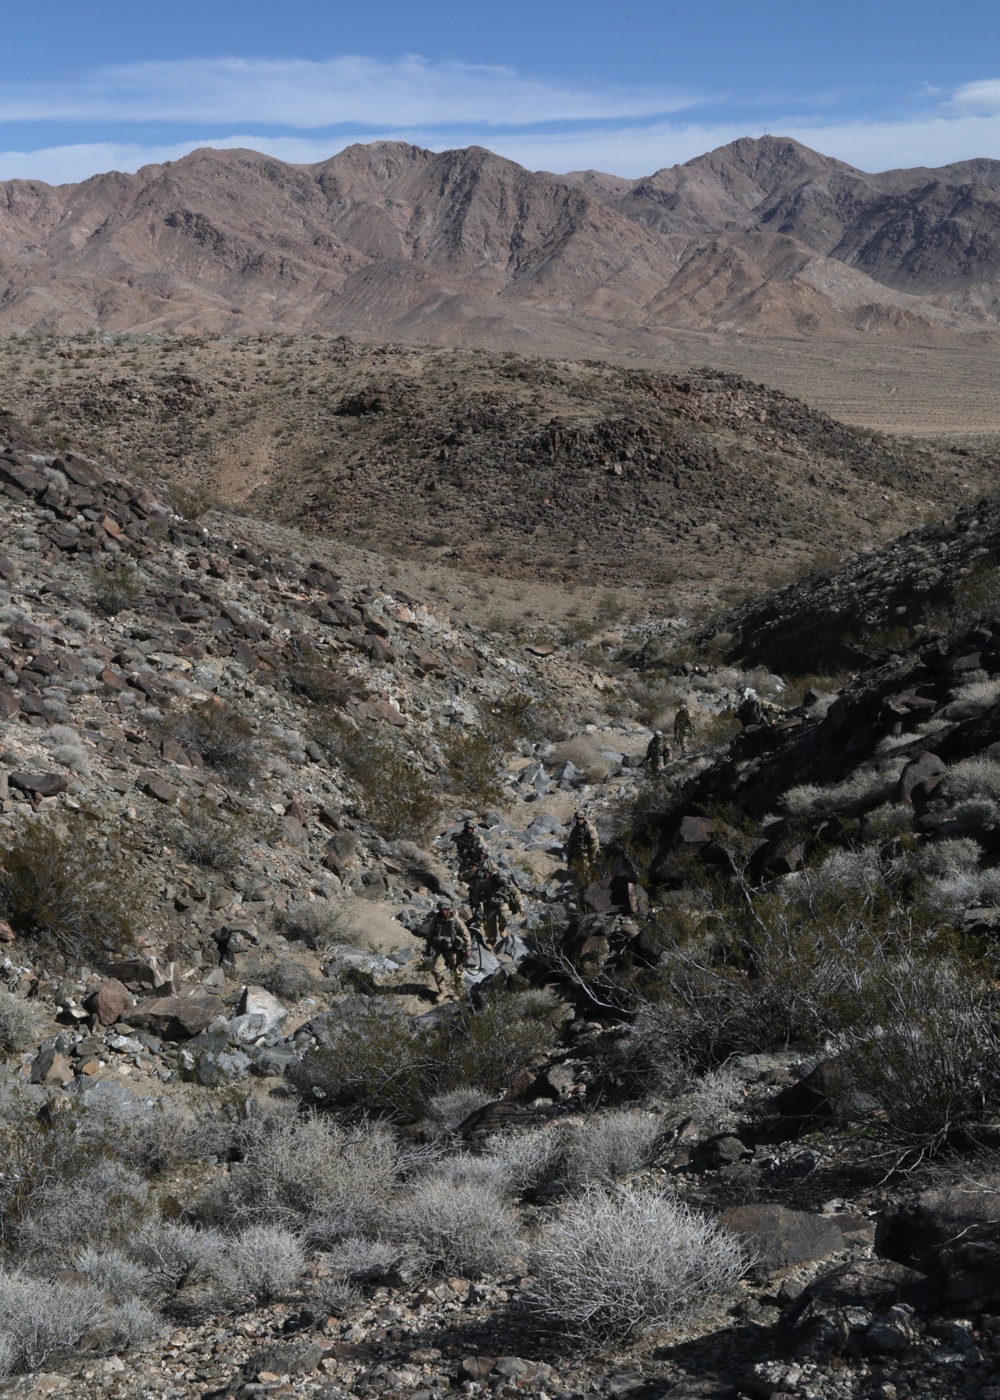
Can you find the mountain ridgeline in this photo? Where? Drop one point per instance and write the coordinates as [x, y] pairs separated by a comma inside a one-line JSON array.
[[465, 247]]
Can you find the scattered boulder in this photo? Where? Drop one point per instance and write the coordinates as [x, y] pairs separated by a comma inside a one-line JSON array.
[[176, 1017], [782, 1238], [953, 1235], [109, 1001]]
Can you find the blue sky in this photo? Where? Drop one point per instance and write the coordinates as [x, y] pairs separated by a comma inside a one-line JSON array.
[[626, 87]]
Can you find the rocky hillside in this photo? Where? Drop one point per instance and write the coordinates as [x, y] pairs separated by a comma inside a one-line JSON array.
[[464, 247], [683, 487], [869, 603], [744, 1065]]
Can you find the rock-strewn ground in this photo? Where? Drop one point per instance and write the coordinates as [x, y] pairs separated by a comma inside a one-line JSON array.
[[251, 732], [681, 488]]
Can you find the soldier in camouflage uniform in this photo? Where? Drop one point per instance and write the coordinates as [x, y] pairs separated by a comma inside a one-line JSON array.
[[471, 849], [658, 753], [449, 946], [489, 891], [683, 727], [582, 847]]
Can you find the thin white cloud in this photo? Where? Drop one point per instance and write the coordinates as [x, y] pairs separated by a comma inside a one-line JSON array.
[[309, 95], [628, 149], [981, 96]]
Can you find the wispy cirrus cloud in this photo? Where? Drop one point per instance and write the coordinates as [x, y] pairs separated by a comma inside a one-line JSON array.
[[303, 111], [305, 94]]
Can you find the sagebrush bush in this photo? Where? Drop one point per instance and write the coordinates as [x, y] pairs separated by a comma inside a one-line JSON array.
[[264, 1261], [975, 777], [310, 674], [43, 1321], [101, 1201], [223, 737], [315, 1178], [610, 1145], [457, 1227], [475, 763], [68, 888], [514, 1164], [152, 1137], [446, 1111], [210, 836], [794, 964], [18, 1021], [392, 791], [629, 1260], [318, 923], [370, 1056]]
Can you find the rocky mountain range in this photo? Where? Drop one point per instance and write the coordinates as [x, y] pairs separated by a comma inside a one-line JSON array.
[[465, 247]]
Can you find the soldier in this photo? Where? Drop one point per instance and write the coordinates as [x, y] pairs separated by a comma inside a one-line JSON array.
[[582, 845], [754, 710], [683, 727], [449, 945], [658, 752], [471, 849], [490, 890]]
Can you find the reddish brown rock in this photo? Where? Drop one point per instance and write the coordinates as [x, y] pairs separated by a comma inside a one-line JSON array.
[[109, 1002]]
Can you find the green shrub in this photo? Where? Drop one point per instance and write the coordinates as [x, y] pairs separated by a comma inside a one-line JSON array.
[[311, 675], [393, 793], [222, 736], [66, 888], [115, 586], [475, 762]]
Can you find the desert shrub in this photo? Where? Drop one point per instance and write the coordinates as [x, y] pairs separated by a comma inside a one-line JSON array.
[[512, 1163], [958, 855], [445, 1112], [970, 817], [651, 1056], [932, 1063], [319, 923], [370, 1056], [890, 820], [975, 777], [629, 1260], [712, 1096], [115, 1272], [794, 964], [394, 795], [102, 1200], [489, 1044], [475, 763], [115, 586], [18, 1020], [457, 1227], [611, 1145], [264, 1261], [314, 1177], [41, 1321], [205, 835], [222, 736], [356, 1256], [66, 747], [66, 888], [284, 978], [311, 675], [152, 1137], [173, 1254]]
